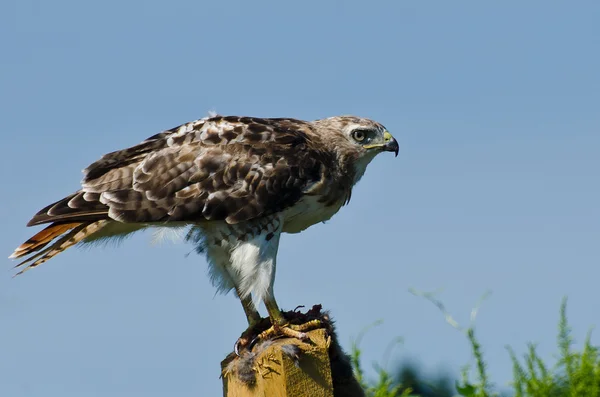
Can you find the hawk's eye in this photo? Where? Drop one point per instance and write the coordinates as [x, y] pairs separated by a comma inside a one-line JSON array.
[[359, 135]]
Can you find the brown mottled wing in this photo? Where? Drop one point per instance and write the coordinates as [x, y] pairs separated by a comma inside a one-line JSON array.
[[223, 168]]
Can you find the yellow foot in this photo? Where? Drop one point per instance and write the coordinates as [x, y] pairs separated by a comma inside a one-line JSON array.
[[290, 330], [291, 324], [297, 331]]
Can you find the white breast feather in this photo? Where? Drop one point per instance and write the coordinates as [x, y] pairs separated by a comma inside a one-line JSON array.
[[307, 212]]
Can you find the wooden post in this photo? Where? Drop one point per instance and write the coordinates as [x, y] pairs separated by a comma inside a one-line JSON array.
[[288, 367]]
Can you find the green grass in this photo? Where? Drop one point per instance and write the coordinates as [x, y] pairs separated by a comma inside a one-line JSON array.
[[575, 374]]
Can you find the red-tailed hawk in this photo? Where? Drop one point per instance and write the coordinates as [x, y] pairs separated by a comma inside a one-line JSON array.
[[235, 183]]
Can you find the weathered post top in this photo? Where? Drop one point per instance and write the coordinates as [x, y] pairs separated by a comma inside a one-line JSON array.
[[288, 367]]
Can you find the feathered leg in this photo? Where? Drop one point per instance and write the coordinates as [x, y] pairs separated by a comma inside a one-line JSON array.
[[249, 267]]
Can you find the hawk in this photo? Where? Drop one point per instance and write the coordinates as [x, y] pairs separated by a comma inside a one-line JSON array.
[[234, 184]]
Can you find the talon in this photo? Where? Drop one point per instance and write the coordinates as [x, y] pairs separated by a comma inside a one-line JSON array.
[[241, 342], [253, 342], [298, 307]]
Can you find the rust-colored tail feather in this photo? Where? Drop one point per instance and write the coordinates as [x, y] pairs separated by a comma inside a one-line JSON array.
[[42, 238], [72, 233]]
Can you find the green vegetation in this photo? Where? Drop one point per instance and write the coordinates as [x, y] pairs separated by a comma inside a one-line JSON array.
[[576, 373]]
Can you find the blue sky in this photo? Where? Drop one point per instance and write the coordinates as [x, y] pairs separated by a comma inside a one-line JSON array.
[[497, 111]]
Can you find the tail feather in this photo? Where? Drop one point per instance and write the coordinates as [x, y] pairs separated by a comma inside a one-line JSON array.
[[42, 238], [71, 236]]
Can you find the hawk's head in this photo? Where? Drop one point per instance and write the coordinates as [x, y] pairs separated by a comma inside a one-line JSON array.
[[355, 139]]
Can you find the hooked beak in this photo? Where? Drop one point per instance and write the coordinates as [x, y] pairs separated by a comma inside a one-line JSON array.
[[391, 144]]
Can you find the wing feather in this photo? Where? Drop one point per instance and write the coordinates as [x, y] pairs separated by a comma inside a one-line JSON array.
[[222, 168]]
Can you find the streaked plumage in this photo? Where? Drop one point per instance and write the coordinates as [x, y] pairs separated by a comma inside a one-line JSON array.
[[235, 183]]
